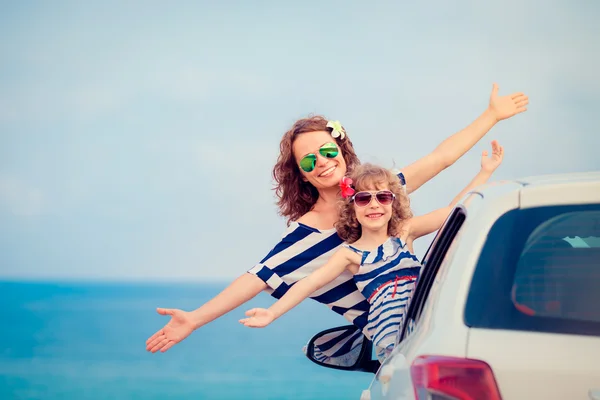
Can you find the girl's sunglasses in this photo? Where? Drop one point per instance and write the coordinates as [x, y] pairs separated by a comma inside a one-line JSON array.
[[363, 199], [328, 150]]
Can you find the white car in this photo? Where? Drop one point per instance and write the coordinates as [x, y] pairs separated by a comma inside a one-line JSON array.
[[508, 303]]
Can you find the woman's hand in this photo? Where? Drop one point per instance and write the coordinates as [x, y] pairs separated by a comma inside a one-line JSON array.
[[503, 107], [179, 327], [489, 164], [259, 318]]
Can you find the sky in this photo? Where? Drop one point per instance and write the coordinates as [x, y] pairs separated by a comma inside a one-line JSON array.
[[137, 139]]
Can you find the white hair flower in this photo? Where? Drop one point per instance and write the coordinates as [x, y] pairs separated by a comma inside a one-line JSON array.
[[337, 129]]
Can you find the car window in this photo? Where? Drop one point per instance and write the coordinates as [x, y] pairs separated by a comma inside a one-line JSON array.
[[436, 257], [540, 271]]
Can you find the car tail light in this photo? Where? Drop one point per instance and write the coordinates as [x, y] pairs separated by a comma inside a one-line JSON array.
[[453, 378]]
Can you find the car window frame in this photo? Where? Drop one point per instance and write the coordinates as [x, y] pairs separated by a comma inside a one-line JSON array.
[[497, 301], [432, 261]]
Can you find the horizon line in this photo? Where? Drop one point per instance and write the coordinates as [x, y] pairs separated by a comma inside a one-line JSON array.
[[105, 280]]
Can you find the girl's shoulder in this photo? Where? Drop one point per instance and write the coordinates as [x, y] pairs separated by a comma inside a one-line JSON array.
[[405, 230], [351, 249], [405, 243], [353, 255]]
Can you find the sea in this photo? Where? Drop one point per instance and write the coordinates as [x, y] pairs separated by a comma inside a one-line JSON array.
[[86, 340]]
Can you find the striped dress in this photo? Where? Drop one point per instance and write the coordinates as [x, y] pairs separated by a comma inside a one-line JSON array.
[[387, 278]]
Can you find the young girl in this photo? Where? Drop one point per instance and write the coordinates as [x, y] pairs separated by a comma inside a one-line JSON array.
[[378, 228]]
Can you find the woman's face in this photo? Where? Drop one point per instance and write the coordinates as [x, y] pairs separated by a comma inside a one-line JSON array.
[[329, 168]]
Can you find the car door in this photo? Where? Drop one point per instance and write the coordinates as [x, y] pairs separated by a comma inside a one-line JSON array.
[[434, 261]]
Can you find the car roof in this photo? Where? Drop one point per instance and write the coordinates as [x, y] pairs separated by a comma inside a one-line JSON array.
[[541, 190], [576, 177]]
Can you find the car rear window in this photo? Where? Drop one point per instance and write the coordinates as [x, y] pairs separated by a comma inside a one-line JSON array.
[[539, 270]]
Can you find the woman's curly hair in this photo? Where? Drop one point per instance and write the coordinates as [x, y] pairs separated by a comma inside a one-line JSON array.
[[296, 197], [372, 177]]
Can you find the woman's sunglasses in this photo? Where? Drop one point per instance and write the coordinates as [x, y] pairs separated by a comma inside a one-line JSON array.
[[363, 199], [328, 150]]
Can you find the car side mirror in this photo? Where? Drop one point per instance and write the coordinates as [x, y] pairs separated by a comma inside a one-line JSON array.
[[344, 348]]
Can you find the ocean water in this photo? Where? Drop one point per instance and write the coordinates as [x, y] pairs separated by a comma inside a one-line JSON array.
[[87, 341]]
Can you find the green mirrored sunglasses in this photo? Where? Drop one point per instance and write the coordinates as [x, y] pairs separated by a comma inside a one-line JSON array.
[[328, 150]]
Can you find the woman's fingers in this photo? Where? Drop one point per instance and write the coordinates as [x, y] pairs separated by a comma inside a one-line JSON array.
[[159, 345], [153, 337], [155, 341], [167, 346]]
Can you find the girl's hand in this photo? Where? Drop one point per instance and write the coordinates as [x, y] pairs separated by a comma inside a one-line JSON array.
[[489, 164], [503, 107], [259, 318], [179, 327]]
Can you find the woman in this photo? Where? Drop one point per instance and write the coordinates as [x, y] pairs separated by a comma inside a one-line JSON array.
[[315, 155]]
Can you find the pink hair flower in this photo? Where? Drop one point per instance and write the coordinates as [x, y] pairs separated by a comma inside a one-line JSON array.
[[346, 186]]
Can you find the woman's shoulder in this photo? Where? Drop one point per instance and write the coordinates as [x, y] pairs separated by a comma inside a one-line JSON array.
[[314, 221], [299, 231], [400, 176], [308, 219]]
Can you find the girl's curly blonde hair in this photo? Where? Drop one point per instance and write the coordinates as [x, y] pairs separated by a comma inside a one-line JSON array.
[[372, 177]]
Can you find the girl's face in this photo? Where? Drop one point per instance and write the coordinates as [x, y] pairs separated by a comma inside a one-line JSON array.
[[319, 159], [373, 207]]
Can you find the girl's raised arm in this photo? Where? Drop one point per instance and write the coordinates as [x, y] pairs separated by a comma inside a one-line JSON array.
[[425, 224], [261, 317]]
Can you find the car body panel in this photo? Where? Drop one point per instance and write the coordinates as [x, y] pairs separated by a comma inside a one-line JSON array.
[[548, 366]]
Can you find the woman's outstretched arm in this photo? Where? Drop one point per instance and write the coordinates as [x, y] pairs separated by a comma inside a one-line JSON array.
[[454, 147], [183, 323]]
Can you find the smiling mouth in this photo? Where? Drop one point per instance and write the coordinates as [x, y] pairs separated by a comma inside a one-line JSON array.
[[327, 172], [374, 216]]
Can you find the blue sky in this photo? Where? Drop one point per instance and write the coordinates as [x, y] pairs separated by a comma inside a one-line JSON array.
[[137, 139]]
